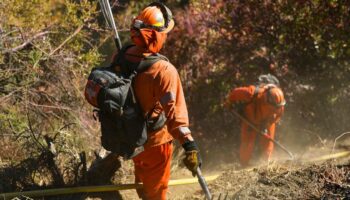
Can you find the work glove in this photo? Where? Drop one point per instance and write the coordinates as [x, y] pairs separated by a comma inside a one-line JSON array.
[[192, 158]]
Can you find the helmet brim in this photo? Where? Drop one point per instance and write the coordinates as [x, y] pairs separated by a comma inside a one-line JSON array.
[[170, 26]]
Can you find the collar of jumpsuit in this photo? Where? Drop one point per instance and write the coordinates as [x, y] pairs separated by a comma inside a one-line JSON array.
[[149, 29]]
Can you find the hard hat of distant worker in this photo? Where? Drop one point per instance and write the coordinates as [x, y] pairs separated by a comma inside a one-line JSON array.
[[275, 97], [155, 16]]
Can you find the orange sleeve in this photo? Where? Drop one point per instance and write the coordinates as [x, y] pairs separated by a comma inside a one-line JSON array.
[[171, 96], [241, 94]]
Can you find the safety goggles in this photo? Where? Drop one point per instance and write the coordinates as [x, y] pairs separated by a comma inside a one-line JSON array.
[[139, 24]]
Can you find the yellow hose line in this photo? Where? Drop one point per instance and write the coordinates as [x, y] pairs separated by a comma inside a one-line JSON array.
[[190, 180], [109, 188], [90, 189], [73, 190], [330, 156]]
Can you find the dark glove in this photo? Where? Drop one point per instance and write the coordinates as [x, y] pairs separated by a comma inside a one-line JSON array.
[[192, 158]]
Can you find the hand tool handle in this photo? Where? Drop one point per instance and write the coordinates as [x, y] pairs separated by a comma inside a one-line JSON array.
[[203, 184], [261, 133]]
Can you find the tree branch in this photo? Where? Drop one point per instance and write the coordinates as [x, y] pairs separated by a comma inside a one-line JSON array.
[[26, 43], [49, 106], [335, 140], [67, 39]]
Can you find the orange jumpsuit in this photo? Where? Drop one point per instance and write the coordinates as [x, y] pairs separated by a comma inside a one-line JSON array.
[[260, 113], [159, 89]]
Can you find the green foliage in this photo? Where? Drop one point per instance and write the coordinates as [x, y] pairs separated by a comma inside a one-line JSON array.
[[47, 48], [12, 121]]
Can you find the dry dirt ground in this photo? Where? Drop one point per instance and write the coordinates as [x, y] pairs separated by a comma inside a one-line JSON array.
[[283, 180], [306, 177]]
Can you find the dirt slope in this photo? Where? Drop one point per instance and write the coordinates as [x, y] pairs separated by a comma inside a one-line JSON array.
[[283, 181]]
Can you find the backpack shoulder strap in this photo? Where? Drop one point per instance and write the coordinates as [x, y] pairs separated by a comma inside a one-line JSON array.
[[264, 88], [268, 87], [120, 58], [130, 67], [149, 61], [256, 92]]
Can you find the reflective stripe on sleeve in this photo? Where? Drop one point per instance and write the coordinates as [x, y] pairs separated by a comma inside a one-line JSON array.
[[184, 130], [167, 97]]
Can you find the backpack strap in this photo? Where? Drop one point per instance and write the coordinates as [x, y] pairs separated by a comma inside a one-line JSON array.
[[255, 95], [256, 92], [149, 61], [130, 69], [266, 88], [120, 58]]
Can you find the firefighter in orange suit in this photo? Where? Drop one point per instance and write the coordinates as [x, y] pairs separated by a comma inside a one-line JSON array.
[[263, 106], [159, 89]]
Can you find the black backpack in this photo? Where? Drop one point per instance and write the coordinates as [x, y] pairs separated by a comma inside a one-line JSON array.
[[123, 125]]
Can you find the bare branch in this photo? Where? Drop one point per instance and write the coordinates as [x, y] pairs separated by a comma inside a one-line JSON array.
[[65, 126], [4, 99], [14, 132], [322, 141], [26, 43], [48, 106], [335, 141], [33, 134], [67, 39], [8, 33]]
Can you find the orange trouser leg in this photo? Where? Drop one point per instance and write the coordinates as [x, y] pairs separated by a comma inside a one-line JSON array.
[[152, 168], [266, 145], [248, 136]]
